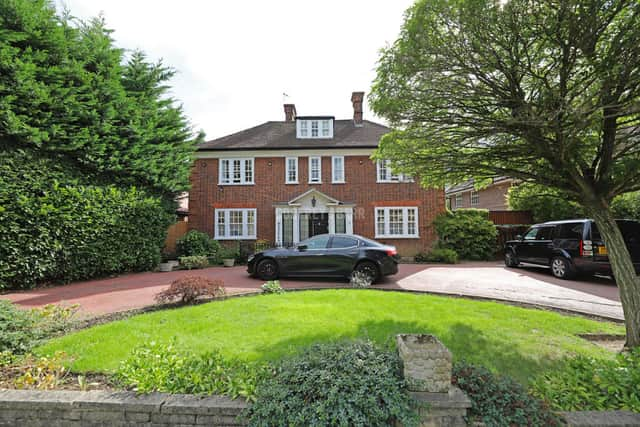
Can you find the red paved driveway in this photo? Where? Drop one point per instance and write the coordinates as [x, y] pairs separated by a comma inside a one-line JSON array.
[[132, 291]]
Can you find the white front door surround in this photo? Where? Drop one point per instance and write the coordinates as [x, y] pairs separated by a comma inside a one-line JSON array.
[[310, 202]]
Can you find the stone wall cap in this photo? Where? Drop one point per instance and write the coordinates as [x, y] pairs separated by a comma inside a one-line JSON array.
[[455, 398], [188, 403]]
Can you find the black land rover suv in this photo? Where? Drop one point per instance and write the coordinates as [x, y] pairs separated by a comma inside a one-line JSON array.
[[570, 247]]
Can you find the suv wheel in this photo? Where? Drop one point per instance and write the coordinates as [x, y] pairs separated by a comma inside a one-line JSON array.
[[562, 268], [510, 259]]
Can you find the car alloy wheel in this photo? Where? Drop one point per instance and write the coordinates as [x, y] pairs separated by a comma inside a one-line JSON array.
[[267, 269], [369, 269], [561, 268]]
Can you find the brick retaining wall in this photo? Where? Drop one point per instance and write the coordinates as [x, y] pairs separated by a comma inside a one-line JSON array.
[[101, 408]]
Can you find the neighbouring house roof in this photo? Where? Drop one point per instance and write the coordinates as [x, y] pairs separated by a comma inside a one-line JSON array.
[[282, 135], [469, 185]]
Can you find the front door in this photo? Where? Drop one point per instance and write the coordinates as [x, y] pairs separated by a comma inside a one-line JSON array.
[[312, 224]]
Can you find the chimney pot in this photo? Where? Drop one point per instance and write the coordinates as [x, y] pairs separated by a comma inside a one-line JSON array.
[[357, 98], [289, 112]]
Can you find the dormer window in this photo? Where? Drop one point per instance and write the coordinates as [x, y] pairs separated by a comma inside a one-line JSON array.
[[325, 128], [314, 127]]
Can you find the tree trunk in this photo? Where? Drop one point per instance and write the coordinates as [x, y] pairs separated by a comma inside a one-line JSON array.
[[623, 269]]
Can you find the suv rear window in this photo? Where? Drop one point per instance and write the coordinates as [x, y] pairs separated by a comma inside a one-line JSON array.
[[571, 230]]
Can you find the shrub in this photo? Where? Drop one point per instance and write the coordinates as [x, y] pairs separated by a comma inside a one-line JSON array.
[[20, 330], [468, 232], [360, 280], [334, 384], [160, 367], [272, 287], [584, 384], [446, 256], [197, 243], [55, 228], [189, 288], [194, 262], [499, 400], [230, 252], [17, 328]]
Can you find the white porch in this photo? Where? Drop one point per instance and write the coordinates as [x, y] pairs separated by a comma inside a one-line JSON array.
[[311, 213]]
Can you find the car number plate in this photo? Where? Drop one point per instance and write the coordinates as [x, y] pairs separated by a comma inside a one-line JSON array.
[[602, 250]]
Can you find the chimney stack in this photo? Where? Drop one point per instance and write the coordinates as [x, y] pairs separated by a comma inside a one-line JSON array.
[[356, 99], [289, 112]]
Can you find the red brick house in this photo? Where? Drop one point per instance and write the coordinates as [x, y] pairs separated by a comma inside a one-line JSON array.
[[285, 181], [492, 197]]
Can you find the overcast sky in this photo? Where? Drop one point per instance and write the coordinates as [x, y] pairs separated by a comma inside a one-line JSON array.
[[236, 58]]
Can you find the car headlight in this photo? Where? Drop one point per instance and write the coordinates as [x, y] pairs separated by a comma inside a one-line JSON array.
[[251, 257]]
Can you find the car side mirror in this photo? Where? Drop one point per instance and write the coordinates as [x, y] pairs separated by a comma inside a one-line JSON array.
[[302, 248], [518, 236]]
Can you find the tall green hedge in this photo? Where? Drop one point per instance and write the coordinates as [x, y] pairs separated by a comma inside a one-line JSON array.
[[468, 232], [55, 228]]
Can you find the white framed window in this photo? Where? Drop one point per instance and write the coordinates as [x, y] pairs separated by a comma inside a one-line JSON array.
[[291, 170], [236, 171], [475, 198], [396, 222], [385, 174], [315, 170], [314, 128], [326, 129], [233, 224], [458, 201], [337, 169], [303, 128]]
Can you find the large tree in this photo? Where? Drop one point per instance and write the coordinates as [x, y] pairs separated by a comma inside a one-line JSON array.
[[547, 91], [66, 91]]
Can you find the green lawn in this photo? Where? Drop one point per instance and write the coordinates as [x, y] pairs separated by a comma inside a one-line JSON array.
[[515, 341]]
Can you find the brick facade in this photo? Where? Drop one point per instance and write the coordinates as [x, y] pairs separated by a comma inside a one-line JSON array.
[[493, 198], [360, 188]]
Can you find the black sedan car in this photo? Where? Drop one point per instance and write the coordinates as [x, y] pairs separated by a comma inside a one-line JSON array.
[[326, 255]]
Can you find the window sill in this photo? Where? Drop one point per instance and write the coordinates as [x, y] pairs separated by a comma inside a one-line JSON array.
[[315, 182], [338, 182], [394, 182], [397, 236], [242, 183], [234, 237], [292, 183]]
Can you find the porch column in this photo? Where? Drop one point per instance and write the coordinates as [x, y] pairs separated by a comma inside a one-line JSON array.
[[296, 226], [278, 236], [349, 221], [332, 220]]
